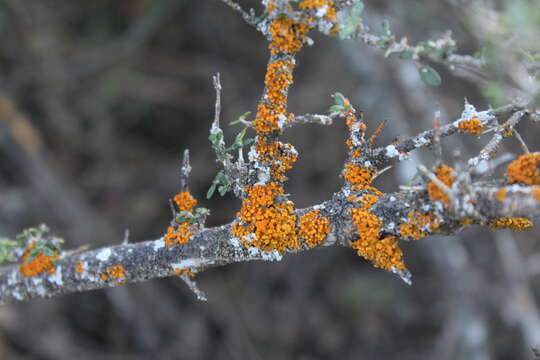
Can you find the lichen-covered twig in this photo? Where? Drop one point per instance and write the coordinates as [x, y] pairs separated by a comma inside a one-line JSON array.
[[268, 226]]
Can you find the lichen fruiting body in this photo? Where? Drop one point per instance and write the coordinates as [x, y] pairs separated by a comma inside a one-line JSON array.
[[419, 225], [473, 125], [116, 272], [444, 174], [39, 263], [314, 228], [512, 223], [180, 232], [525, 170], [267, 219]]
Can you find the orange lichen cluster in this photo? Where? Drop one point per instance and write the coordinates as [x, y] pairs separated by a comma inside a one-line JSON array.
[[501, 194], [280, 157], [444, 174], [116, 272], [287, 34], [187, 272], [418, 224], [314, 228], [536, 193], [320, 4], [180, 235], [358, 176], [185, 201], [525, 169], [79, 268], [513, 223], [467, 222], [39, 264], [383, 253], [273, 108], [266, 223], [473, 125]]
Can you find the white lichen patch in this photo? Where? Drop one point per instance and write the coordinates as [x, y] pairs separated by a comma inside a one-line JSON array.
[[56, 277], [158, 244], [273, 255], [391, 151], [104, 254], [234, 241], [420, 141]]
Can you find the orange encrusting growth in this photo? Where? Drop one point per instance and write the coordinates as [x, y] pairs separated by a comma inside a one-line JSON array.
[[180, 235], [513, 223], [330, 13], [358, 176], [185, 201], [79, 268], [525, 169], [39, 264], [444, 174], [314, 228], [266, 223], [536, 193], [280, 156], [383, 253], [113, 273], [267, 220], [287, 34], [181, 272], [418, 225], [501, 194], [473, 125]]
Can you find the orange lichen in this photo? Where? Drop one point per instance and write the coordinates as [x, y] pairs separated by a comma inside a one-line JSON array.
[[525, 169], [418, 225], [287, 34], [79, 268], [39, 264], [513, 223], [180, 235], [185, 201], [467, 222], [314, 228], [501, 194], [265, 222], [358, 176], [536, 193], [473, 125], [113, 273], [444, 174], [180, 272], [383, 253], [280, 156], [330, 13]]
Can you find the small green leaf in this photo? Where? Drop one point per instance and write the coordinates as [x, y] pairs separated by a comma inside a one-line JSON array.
[[211, 190], [240, 118], [429, 75], [357, 8], [351, 22], [240, 136], [386, 29], [407, 54], [248, 142], [336, 108], [339, 99], [222, 190]]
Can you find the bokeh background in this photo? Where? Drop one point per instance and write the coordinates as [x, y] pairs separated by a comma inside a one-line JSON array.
[[99, 98]]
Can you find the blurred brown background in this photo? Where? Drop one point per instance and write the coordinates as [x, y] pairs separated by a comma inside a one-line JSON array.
[[99, 98]]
